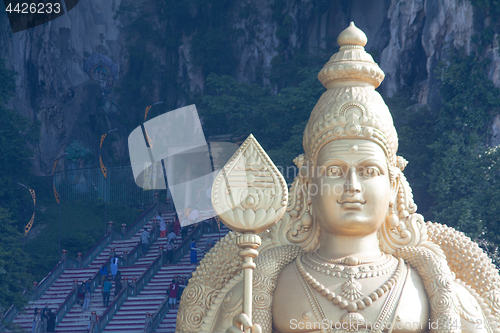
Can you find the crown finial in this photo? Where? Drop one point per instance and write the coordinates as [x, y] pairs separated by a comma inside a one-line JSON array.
[[352, 65], [352, 35]]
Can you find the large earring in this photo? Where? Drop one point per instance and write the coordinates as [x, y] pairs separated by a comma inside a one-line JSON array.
[[392, 220], [306, 219], [403, 213]]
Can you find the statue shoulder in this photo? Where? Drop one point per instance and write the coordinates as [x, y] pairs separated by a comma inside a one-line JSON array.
[[214, 294], [471, 266], [474, 313]]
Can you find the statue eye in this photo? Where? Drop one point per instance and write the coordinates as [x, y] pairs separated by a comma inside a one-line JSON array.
[[334, 171], [370, 171]]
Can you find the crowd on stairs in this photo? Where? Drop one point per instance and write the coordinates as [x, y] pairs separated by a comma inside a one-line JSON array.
[[97, 285]]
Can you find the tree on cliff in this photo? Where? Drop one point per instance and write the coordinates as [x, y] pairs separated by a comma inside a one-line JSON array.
[[454, 174], [15, 168]]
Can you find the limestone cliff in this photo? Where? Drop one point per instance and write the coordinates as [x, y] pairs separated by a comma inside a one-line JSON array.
[[70, 70]]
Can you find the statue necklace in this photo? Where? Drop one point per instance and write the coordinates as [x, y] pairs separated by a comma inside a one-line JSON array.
[[360, 304], [348, 270]]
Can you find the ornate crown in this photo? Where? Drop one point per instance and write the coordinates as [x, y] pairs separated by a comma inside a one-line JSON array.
[[351, 108]]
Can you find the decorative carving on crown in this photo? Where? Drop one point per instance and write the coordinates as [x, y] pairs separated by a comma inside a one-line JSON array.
[[361, 70], [354, 113], [351, 62]]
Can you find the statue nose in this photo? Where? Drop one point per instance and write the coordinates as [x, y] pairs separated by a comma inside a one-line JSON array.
[[352, 184]]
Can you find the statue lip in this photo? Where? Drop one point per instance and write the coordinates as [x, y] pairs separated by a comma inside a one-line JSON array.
[[351, 200]]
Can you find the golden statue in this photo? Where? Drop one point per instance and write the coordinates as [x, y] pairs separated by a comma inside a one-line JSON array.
[[349, 253]]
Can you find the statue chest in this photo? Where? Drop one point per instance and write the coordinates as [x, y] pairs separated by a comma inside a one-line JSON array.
[[297, 307]]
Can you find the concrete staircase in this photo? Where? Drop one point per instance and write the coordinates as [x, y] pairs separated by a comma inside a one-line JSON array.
[[131, 316], [76, 320], [56, 294]]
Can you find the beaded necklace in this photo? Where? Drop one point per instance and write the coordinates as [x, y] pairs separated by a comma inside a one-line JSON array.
[[352, 288], [343, 303]]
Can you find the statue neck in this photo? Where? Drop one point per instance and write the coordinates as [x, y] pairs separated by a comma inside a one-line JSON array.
[[365, 248]]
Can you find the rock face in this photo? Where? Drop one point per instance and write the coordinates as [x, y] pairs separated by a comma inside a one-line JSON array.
[[68, 68]]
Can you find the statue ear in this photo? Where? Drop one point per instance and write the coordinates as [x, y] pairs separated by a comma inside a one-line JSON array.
[[396, 175]]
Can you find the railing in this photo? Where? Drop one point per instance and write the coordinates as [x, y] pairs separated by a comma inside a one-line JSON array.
[[90, 184], [117, 236], [134, 254], [71, 264], [96, 250], [184, 247], [48, 280], [137, 225], [108, 238], [145, 277], [40, 288], [70, 300], [136, 251], [209, 227], [7, 318], [112, 309], [159, 314], [66, 305], [133, 289]]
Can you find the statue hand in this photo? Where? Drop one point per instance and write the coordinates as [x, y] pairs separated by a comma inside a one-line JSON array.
[[241, 322]]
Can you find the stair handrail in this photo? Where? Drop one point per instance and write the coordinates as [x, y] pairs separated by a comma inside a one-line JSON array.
[[65, 306], [137, 225], [48, 280], [40, 289], [70, 299], [107, 239], [112, 309], [146, 276], [133, 254], [184, 247], [8, 317], [133, 289], [96, 250], [160, 313]]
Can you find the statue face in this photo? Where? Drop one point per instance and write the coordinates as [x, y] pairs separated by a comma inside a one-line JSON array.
[[350, 188]]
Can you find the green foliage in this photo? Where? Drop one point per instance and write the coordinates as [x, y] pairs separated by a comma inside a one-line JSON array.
[[453, 174], [78, 153], [416, 131], [277, 121], [491, 7], [458, 182], [469, 98], [15, 135], [462, 173], [14, 274]]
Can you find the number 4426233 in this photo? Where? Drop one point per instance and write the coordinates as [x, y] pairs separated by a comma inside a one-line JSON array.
[[34, 8]]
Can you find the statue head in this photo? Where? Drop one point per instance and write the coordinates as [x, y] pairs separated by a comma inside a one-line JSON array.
[[350, 189], [350, 146]]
